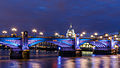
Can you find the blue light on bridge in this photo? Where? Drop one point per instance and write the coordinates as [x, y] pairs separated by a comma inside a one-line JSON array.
[[59, 48]]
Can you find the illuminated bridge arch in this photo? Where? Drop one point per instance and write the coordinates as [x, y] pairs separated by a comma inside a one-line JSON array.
[[97, 43], [10, 42], [59, 42]]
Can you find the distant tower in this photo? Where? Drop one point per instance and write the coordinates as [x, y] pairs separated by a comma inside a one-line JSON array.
[[70, 32]]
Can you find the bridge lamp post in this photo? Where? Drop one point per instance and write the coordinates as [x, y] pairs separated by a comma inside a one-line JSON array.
[[101, 37], [56, 34], [83, 33], [96, 34], [41, 33], [34, 31], [92, 36], [14, 30], [4, 32], [110, 38], [115, 36], [106, 36]]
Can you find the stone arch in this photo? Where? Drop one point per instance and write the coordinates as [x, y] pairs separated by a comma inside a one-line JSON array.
[[59, 44], [10, 42], [98, 44]]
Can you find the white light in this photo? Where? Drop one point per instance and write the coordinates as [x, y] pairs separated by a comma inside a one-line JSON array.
[[4, 31], [92, 36], [56, 34], [115, 36], [14, 29], [101, 37], [69, 34], [95, 33], [106, 35], [22, 32], [81, 35], [83, 32], [41, 33], [34, 31], [110, 38]]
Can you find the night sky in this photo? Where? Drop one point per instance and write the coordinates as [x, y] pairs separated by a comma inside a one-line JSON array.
[[52, 16]]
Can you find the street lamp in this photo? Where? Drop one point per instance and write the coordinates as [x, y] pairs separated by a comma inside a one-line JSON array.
[[83, 33], [56, 34], [106, 35], [14, 30], [34, 31], [101, 37], [96, 34], [115, 36], [41, 33], [4, 32], [110, 38], [92, 36]]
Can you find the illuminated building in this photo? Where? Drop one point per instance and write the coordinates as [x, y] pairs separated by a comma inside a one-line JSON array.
[[70, 32]]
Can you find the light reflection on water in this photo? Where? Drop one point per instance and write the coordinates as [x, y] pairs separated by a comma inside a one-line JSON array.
[[50, 61]]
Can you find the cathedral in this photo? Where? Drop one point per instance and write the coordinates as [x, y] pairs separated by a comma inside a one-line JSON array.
[[70, 32]]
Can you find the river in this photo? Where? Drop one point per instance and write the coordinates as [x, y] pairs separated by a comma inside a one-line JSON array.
[[43, 59]]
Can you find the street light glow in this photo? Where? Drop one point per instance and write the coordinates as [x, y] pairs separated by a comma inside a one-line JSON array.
[[101, 37], [110, 38], [106, 35], [56, 34], [14, 29], [96, 34], [22, 33], [34, 30], [4, 32], [84, 33], [115, 36], [92, 36], [81, 35], [41, 33]]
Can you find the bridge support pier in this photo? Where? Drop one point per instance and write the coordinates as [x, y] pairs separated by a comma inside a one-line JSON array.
[[23, 51], [19, 54], [16, 54]]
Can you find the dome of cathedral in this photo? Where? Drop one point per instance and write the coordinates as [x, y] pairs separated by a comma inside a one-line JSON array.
[[70, 32]]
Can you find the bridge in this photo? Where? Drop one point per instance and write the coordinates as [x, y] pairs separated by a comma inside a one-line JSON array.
[[21, 45]]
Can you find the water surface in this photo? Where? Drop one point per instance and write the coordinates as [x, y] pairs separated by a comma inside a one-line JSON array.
[[49, 59]]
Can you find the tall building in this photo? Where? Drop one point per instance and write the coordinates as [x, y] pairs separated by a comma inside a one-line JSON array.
[[70, 32]]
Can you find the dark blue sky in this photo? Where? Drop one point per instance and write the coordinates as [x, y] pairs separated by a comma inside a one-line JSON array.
[[56, 15]]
